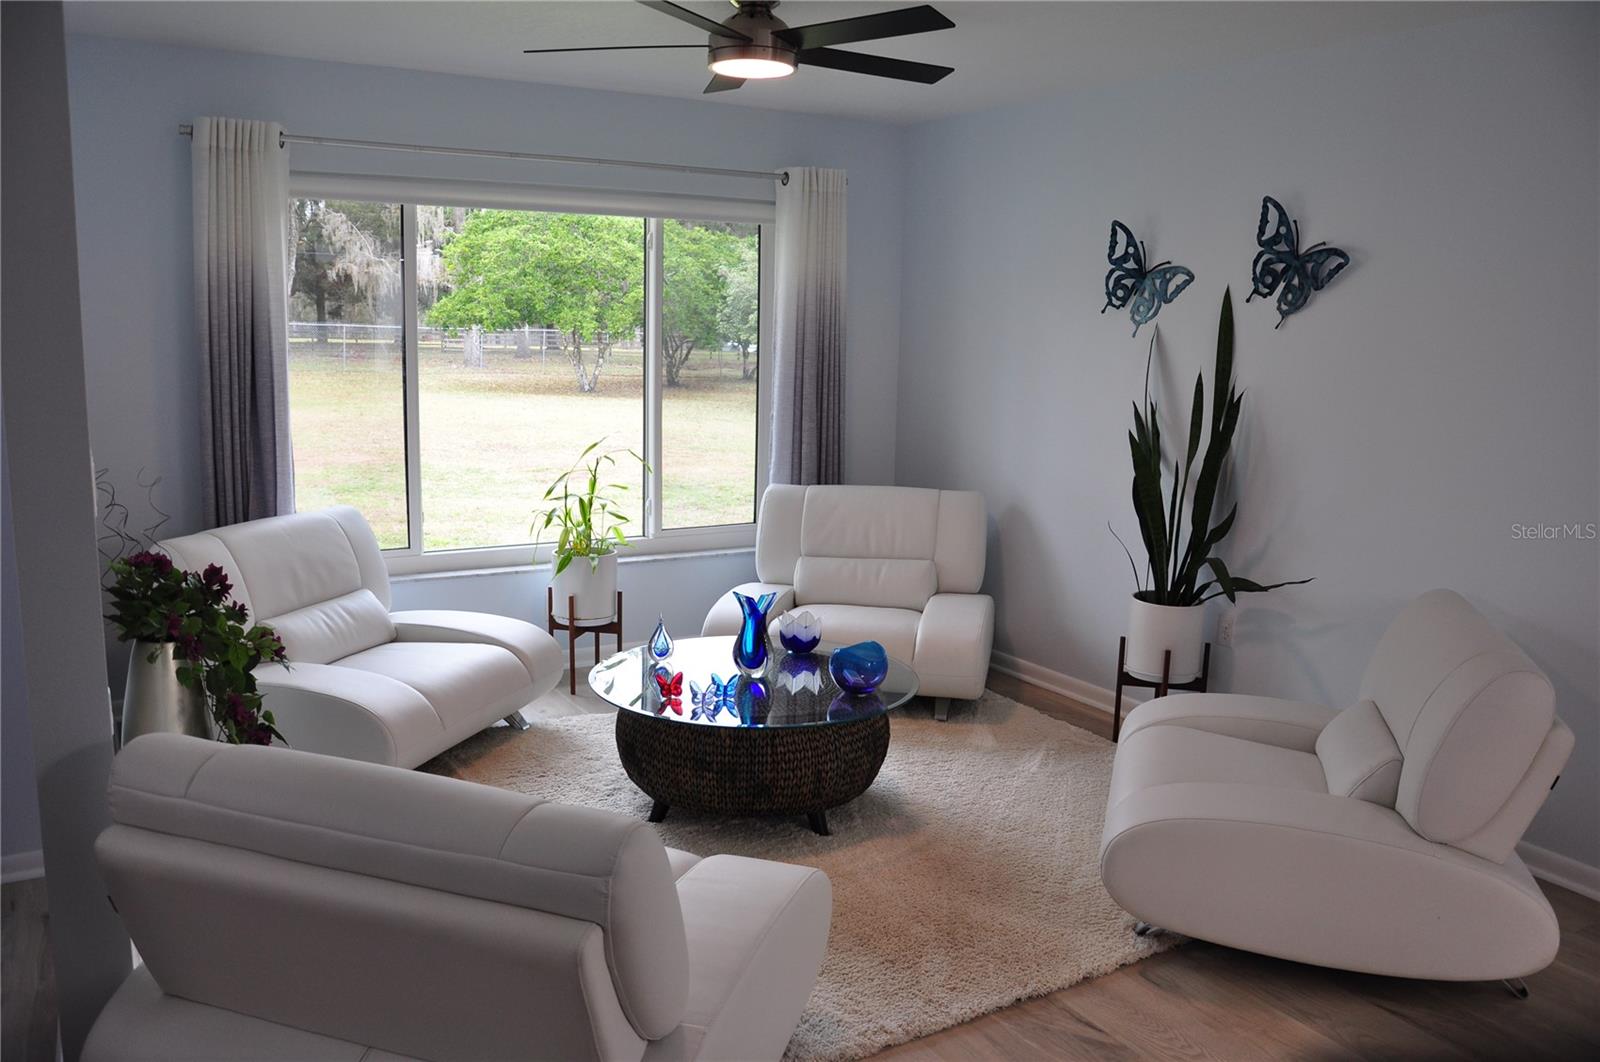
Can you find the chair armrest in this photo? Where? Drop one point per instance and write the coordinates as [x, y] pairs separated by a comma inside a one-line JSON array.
[[954, 640], [340, 711], [533, 646], [1267, 720], [1323, 879], [725, 616]]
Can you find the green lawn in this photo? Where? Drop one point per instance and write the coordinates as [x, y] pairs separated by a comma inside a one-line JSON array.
[[493, 438]]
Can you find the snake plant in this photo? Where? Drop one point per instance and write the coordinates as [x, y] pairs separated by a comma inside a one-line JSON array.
[[1179, 557]]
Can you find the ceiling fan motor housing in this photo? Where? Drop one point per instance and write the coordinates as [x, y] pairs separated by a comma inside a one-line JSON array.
[[756, 21]]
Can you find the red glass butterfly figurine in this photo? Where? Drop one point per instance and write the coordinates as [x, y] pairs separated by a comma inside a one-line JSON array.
[[671, 688]]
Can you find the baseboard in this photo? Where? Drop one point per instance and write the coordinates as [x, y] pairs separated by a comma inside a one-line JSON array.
[[20, 866], [1544, 864], [1086, 693], [1561, 870]]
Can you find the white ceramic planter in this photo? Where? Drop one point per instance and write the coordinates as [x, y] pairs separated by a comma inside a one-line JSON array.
[[593, 588], [1153, 629]]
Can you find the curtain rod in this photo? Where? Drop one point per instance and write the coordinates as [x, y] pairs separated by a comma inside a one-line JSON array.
[[781, 176]]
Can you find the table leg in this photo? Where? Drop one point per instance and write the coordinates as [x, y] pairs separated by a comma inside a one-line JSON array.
[[818, 821], [658, 810]]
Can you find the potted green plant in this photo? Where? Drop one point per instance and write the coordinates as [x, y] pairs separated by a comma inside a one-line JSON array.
[[193, 654], [588, 523], [1168, 608]]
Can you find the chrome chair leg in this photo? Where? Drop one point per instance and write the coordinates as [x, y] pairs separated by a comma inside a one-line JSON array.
[[516, 721], [1145, 929], [1516, 986]]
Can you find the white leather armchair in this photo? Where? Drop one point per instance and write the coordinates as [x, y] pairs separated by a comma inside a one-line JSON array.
[[291, 906], [1380, 838], [902, 566], [362, 682]]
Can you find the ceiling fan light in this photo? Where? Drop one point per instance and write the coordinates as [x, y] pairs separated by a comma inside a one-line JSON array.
[[751, 62], [752, 69]]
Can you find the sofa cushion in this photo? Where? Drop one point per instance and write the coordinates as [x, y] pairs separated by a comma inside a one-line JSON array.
[[856, 581], [963, 544], [778, 533], [894, 523], [328, 630], [1359, 756], [1173, 755], [532, 646], [894, 628], [457, 678], [1466, 707]]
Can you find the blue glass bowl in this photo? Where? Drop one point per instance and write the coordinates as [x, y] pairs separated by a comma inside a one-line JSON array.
[[859, 668], [798, 645]]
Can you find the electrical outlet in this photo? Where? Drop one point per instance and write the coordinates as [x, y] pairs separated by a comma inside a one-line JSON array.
[[1225, 627]]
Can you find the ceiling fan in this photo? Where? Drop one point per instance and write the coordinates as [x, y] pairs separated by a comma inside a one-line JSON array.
[[756, 44]]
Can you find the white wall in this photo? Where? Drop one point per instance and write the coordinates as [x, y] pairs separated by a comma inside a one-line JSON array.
[[132, 182], [1442, 390]]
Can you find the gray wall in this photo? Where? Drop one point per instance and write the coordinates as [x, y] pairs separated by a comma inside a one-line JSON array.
[[19, 797], [1439, 392]]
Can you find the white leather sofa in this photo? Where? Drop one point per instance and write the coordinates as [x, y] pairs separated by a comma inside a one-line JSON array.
[[1380, 838], [298, 907], [902, 566], [362, 682]]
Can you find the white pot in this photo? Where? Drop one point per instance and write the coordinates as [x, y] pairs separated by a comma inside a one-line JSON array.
[[1154, 629], [594, 590]]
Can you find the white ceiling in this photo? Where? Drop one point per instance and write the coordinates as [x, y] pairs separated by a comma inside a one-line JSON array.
[[1003, 51]]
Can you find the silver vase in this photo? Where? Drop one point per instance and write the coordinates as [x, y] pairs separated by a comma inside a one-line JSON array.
[[155, 702]]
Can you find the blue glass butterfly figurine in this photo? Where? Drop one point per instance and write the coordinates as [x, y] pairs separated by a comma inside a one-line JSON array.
[[1129, 282], [714, 698], [1281, 266]]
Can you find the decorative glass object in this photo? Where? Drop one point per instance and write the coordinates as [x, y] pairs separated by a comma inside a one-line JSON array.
[[660, 641], [750, 647], [849, 706], [750, 700], [800, 672], [859, 668], [670, 685], [710, 701], [799, 631]]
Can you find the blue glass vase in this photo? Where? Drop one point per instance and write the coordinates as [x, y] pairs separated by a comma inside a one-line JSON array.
[[750, 647], [859, 668]]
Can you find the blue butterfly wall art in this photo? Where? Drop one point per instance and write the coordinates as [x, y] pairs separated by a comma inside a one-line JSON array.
[[1129, 282], [1281, 266]]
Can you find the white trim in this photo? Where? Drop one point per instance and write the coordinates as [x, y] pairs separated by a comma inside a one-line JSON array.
[[1086, 693], [511, 569], [1561, 870], [654, 283], [1542, 863], [21, 866], [667, 544], [411, 375], [556, 198]]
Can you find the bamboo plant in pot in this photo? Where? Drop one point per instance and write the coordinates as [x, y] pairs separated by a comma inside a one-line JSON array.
[[1183, 571], [587, 513]]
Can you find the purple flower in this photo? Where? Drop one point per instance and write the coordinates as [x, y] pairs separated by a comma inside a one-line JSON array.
[[259, 735], [174, 625], [160, 563], [237, 612], [215, 579]]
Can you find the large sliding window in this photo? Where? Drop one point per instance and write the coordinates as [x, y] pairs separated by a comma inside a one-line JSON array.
[[447, 361]]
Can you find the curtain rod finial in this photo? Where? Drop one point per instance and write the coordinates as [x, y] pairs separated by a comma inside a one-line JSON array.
[[185, 129]]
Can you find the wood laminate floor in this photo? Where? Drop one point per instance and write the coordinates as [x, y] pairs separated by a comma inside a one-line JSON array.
[[1196, 1002]]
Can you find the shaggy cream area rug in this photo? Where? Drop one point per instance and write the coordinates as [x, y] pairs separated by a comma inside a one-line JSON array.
[[967, 878]]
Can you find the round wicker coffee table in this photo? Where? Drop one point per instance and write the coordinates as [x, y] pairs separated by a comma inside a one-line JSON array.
[[787, 742]]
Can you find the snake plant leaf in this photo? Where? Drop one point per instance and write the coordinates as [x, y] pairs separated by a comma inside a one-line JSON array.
[[1223, 375], [1224, 580]]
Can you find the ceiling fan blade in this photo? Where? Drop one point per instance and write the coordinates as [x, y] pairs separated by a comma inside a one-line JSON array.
[[876, 65], [922, 19], [719, 83], [610, 48], [693, 18]]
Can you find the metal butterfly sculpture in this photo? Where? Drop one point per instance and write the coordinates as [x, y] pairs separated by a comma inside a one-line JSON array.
[[1281, 266], [712, 700], [1129, 279]]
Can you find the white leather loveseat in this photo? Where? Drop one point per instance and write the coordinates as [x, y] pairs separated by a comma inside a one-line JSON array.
[[362, 682], [1380, 838], [902, 566], [307, 908]]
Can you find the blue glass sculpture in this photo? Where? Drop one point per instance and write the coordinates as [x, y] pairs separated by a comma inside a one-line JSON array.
[[660, 641], [859, 668], [750, 647], [751, 701], [713, 699], [799, 631]]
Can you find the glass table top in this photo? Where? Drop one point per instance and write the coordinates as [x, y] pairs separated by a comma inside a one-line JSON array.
[[699, 684]]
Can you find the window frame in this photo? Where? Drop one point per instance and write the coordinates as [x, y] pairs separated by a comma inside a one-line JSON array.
[[654, 540]]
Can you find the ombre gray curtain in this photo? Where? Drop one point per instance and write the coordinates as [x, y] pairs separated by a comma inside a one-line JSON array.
[[241, 196], [808, 363]]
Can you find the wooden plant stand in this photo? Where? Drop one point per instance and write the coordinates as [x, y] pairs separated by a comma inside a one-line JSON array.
[[577, 630], [1161, 686]]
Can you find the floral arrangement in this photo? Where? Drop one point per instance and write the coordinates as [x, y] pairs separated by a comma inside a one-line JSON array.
[[153, 600]]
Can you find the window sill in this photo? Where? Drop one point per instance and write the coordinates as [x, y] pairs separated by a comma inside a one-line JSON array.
[[501, 560]]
